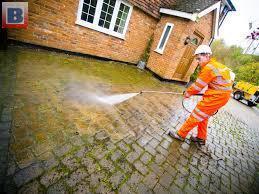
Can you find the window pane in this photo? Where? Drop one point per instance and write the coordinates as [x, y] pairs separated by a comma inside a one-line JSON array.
[[194, 41], [92, 10], [106, 1], [107, 25], [122, 18], [85, 8], [117, 21], [116, 28], [101, 23], [126, 10], [122, 24], [110, 10], [105, 7], [84, 16], [164, 37], [122, 7], [93, 3], [120, 30], [103, 15], [108, 17], [90, 18], [119, 14], [89, 7], [112, 2]]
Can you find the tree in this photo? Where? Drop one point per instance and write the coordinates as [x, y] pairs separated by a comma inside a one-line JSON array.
[[245, 66], [248, 73]]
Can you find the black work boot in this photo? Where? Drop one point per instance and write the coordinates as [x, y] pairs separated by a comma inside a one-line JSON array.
[[175, 136], [198, 140]]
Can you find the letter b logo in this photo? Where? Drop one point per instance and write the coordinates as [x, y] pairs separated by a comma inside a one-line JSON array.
[[14, 14]]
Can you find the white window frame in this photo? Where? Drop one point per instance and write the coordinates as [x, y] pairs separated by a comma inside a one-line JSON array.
[[98, 10], [161, 51]]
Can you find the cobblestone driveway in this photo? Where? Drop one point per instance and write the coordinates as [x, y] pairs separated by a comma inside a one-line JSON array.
[[111, 149]]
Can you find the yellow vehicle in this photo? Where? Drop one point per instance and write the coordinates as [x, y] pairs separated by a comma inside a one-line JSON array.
[[250, 93]]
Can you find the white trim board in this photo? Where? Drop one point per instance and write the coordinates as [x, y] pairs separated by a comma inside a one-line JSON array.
[[195, 16], [176, 13]]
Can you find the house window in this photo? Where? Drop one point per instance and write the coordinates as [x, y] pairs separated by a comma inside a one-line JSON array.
[[164, 38], [194, 41], [107, 16]]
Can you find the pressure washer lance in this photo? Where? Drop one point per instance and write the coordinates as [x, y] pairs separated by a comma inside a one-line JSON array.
[[150, 91]]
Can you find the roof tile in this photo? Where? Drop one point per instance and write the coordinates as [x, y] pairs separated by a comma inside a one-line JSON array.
[[190, 6]]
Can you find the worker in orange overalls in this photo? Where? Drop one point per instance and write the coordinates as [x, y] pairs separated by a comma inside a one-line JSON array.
[[219, 80]]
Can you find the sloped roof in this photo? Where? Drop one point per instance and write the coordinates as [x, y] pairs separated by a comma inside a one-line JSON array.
[[192, 6], [152, 6], [189, 9]]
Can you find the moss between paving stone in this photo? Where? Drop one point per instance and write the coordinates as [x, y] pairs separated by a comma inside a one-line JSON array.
[[42, 80], [235, 132], [70, 152], [23, 189], [117, 169], [63, 169]]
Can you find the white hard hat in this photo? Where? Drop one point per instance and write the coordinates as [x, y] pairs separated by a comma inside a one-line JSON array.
[[203, 49]]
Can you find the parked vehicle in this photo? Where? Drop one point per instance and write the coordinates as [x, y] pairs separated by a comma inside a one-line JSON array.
[[243, 90]]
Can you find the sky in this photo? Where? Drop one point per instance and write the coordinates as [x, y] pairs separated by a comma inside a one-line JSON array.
[[235, 27]]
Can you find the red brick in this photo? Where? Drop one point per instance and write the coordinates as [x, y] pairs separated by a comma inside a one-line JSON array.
[[52, 24]]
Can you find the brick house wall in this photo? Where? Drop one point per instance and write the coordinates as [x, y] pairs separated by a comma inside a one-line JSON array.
[[165, 65], [205, 26], [52, 24]]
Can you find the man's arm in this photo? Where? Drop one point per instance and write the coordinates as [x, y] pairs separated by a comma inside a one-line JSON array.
[[205, 77]]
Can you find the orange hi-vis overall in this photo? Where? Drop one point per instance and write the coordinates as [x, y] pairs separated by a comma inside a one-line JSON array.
[[217, 77]]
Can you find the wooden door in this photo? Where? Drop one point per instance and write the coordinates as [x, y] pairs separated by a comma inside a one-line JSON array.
[[188, 55]]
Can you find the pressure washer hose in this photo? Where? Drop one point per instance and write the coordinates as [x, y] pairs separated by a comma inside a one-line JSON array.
[[177, 93]]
